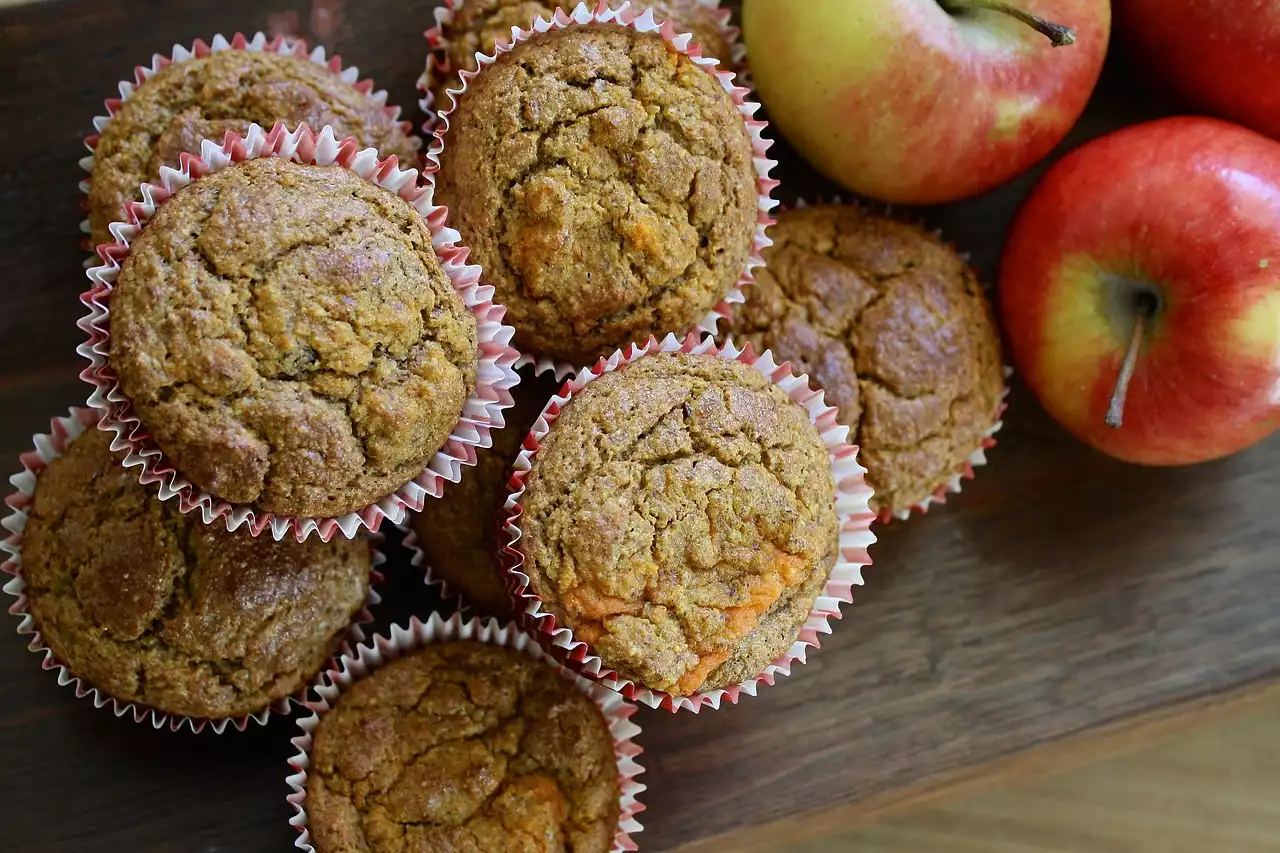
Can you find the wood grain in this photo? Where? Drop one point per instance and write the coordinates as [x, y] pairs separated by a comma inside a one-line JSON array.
[[1061, 595]]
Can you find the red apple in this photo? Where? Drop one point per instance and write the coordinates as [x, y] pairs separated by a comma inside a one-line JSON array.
[[1224, 57], [924, 101], [1167, 235]]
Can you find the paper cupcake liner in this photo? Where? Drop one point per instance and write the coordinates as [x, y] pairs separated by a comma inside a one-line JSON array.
[[954, 483], [495, 374], [852, 506], [644, 22], [51, 445], [438, 64], [418, 560], [258, 43], [419, 634]]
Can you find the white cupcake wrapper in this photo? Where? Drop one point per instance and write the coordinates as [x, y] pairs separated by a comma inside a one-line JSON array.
[[419, 634], [438, 64], [495, 374], [954, 483], [418, 560], [852, 506], [258, 43], [51, 445], [644, 22]]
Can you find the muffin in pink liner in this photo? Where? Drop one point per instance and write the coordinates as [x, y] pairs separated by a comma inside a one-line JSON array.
[[694, 294], [494, 358], [891, 322], [467, 657], [220, 104], [820, 560], [487, 21], [115, 589]]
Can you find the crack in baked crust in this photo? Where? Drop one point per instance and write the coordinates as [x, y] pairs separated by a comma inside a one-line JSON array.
[[289, 338], [679, 517], [153, 606], [464, 747], [894, 327], [606, 185]]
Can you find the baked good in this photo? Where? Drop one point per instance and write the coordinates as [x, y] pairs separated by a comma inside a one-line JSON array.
[[153, 606], [605, 183], [477, 26], [464, 747], [458, 533], [289, 339], [679, 517], [892, 324], [203, 98]]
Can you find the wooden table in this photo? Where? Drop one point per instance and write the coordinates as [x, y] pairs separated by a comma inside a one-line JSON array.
[[1063, 606]]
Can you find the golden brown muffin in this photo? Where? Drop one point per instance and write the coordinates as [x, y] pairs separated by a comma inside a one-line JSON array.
[[891, 323], [289, 338], [203, 98], [467, 748], [153, 606], [606, 185], [479, 25], [458, 533], [680, 518]]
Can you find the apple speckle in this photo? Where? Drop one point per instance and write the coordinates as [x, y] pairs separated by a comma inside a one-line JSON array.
[[1264, 263]]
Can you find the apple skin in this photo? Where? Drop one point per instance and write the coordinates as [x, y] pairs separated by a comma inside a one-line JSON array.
[[1222, 57], [901, 101], [1190, 208]]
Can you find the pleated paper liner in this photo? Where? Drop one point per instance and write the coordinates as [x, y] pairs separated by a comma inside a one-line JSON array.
[[419, 562], [954, 482], [852, 506], [51, 445], [627, 16], [495, 374], [402, 640], [439, 66], [257, 43]]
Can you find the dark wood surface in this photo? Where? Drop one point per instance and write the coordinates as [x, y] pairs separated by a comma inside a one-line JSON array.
[[1063, 594]]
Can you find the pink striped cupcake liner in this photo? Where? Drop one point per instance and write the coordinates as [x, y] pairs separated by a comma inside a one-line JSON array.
[[418, 634], [852, 506], [418, 560], [481, 414], [257, 43], [626, 15], [51, 445]]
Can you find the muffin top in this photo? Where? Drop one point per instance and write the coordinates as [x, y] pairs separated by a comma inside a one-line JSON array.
[[680, 518], [155, 607], [479, 25], [605, 183], [467, 747], [203, 98], [289, 338], [890, 322], [458, 533]]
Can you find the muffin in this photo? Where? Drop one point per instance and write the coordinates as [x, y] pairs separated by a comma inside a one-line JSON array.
[[892, 324], [289, 339], [605, 183], [679, 518], [458, 533], [462, 746], [477, 26], [204, 97], [153, 607]]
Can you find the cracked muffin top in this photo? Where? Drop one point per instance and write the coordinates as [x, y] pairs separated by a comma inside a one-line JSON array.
[[202, 98], [680, 518], [155, 607], [289, 338], [464, 747], [478, 25], [458, 533], [892, 324], [605, 183]]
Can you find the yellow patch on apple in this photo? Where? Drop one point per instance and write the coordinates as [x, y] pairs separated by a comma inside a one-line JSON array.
[[1077, 339]]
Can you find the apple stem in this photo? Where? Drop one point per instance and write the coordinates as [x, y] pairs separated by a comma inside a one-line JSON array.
[[1057, 34], [1115, 411]]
